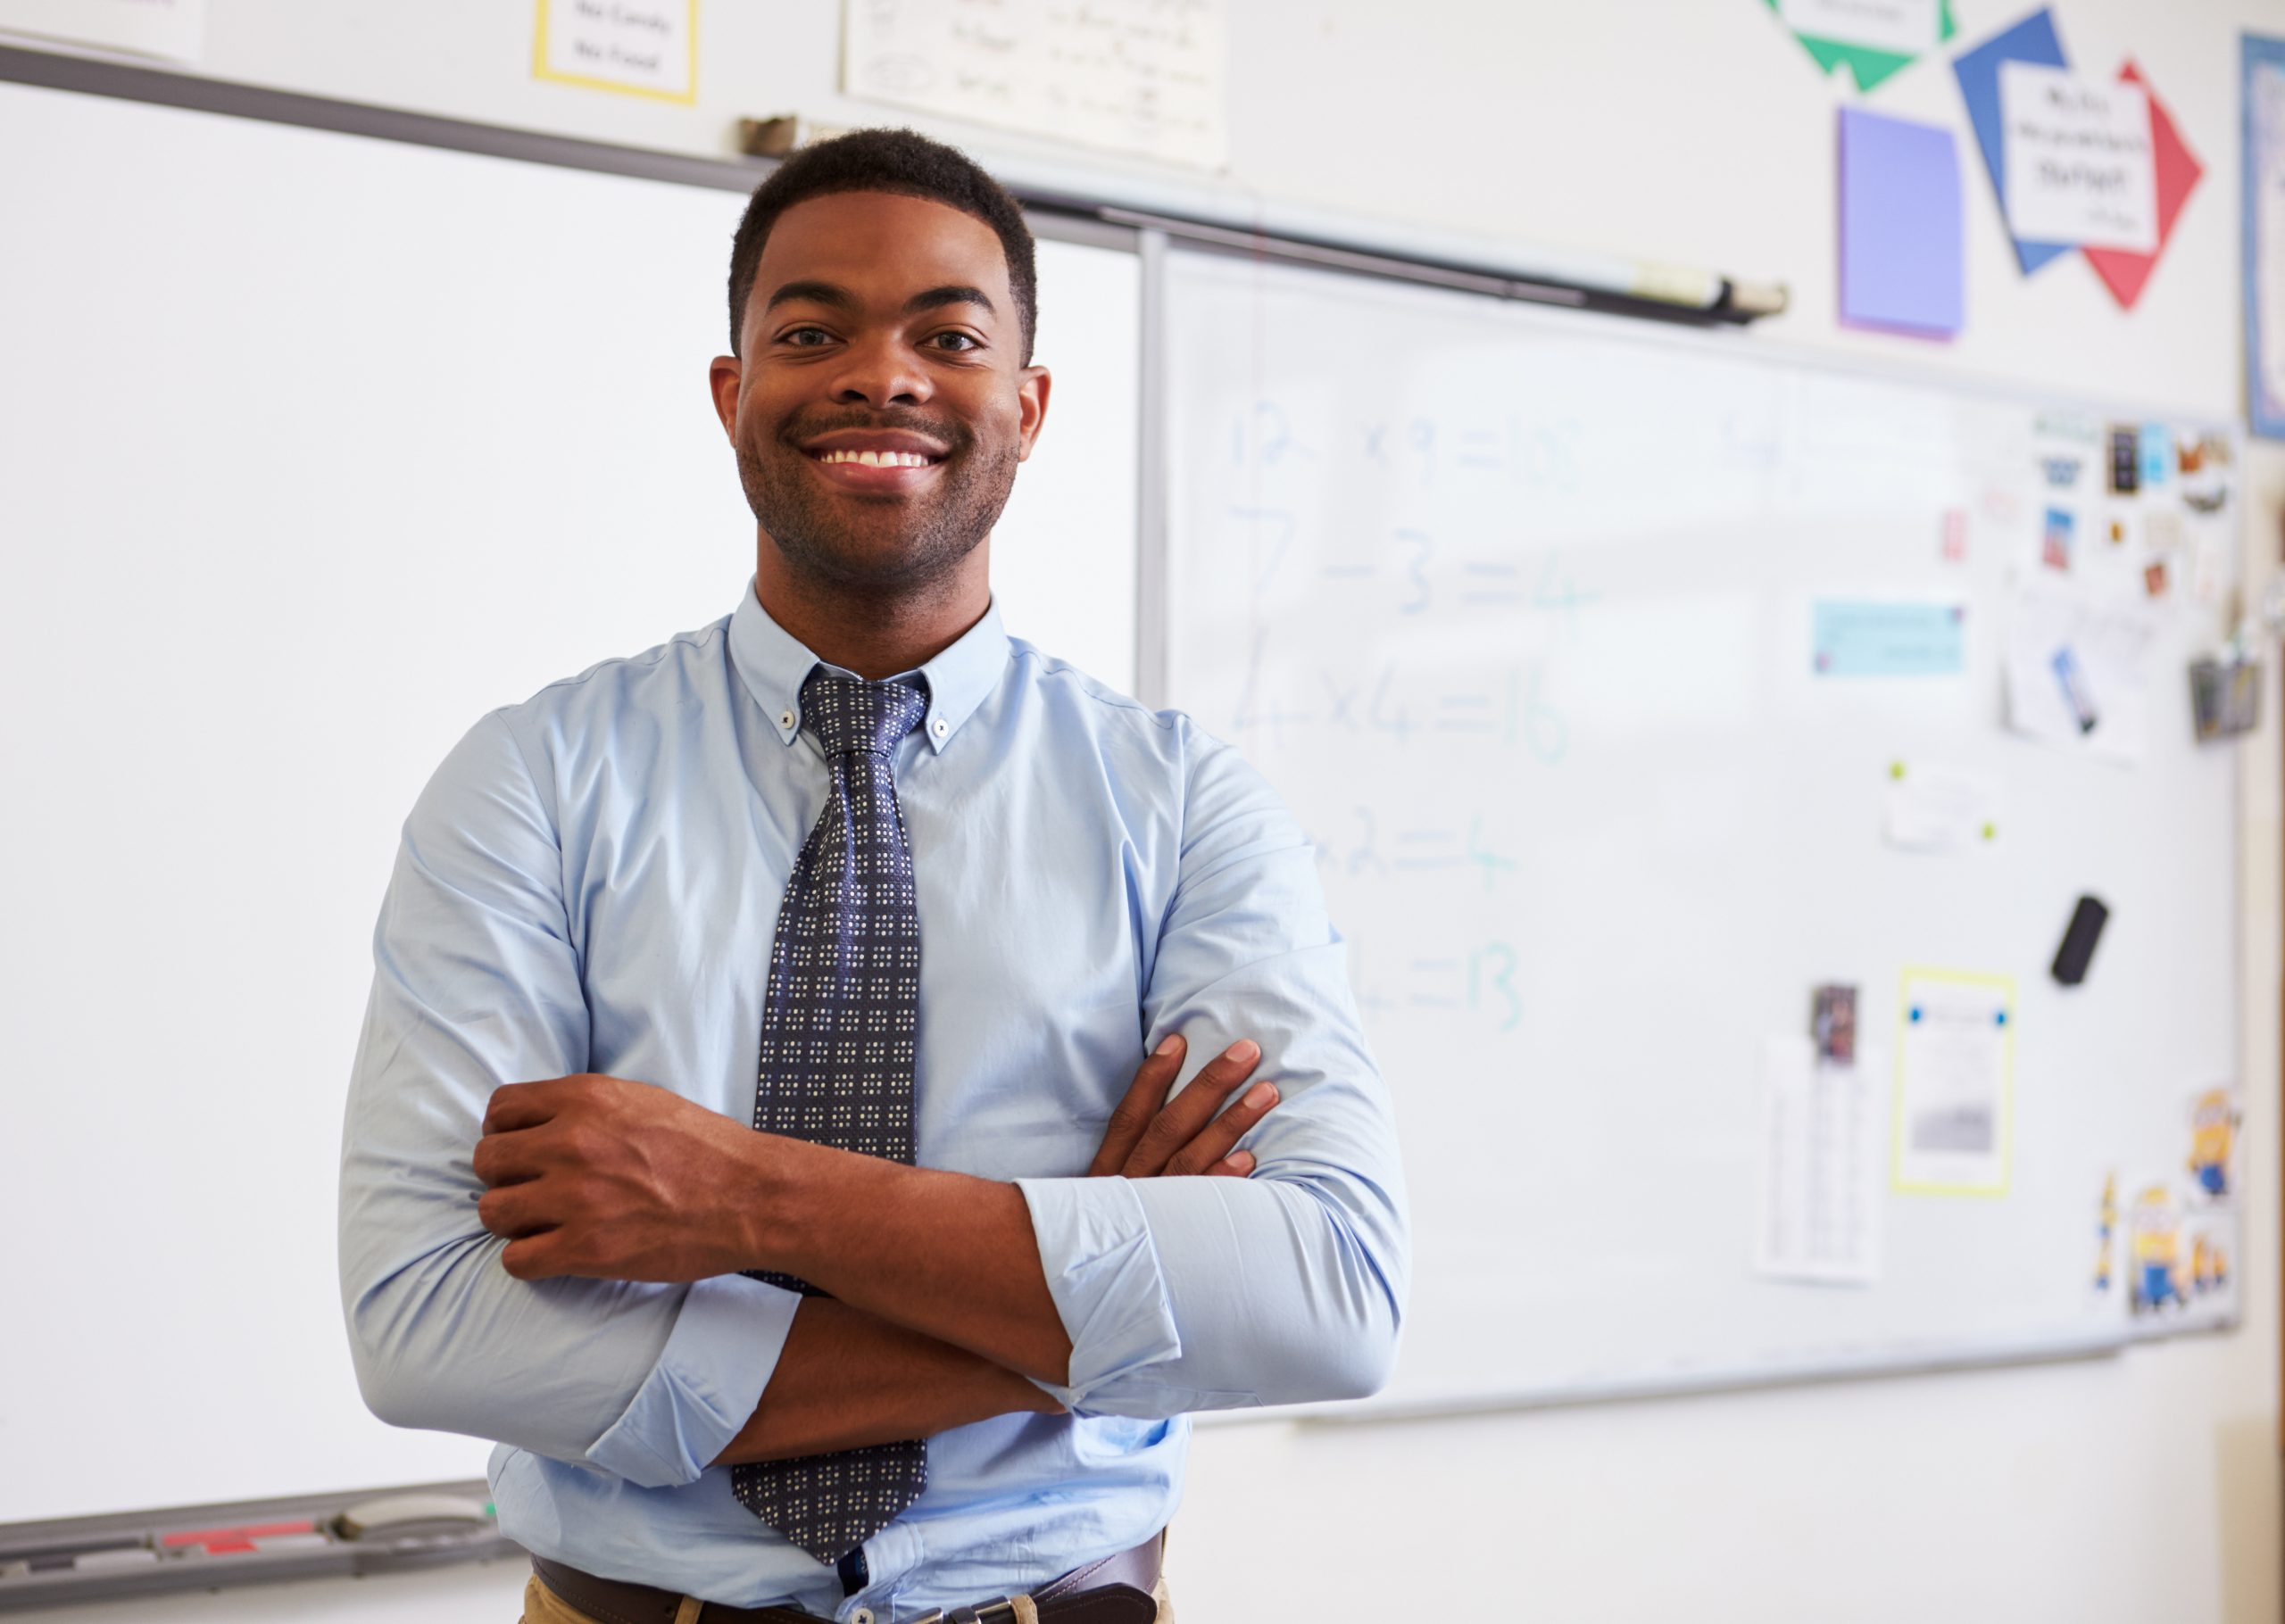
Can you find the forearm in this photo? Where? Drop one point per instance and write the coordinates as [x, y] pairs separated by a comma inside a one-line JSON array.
[[1204, 1294], [640, 1380], [950, 1257], [846, 1378]]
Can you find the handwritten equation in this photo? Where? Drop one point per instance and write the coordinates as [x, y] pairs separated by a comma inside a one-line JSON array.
[[1394, 621]]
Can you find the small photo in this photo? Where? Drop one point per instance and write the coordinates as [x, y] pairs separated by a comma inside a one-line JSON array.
[[2125, 458], [2154, 578], [1833, 1022], [2055, 546]]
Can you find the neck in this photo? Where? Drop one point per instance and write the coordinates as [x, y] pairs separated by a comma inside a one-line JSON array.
[[873, 632]]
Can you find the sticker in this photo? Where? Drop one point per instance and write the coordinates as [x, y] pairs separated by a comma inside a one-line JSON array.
[[2213, 1122], [2157, 1280]]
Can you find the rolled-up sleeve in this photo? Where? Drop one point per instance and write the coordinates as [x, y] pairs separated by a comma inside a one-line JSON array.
[[475, 983], [1287, 1287]]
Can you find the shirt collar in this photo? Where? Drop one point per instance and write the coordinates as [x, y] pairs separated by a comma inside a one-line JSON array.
[[774, 663]]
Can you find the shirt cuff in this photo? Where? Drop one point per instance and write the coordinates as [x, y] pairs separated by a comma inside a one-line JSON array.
[[1102, 1273], [710, 1377]]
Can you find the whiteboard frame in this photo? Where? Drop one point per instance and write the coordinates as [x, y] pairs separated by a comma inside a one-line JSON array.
[[1725, 341]]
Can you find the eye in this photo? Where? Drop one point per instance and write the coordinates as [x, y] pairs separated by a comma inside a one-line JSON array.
[[961, 343], [805, 338]]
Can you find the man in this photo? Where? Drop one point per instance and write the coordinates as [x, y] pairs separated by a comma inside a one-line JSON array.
[[747, 1131]]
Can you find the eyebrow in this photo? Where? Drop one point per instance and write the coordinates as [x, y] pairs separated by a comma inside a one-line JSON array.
[[840, 298]]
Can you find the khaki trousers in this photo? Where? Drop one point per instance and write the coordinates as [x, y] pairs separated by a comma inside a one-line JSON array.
[[544, 1606]]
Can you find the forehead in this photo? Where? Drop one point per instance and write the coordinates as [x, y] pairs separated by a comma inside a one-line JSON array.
[[881, 245]]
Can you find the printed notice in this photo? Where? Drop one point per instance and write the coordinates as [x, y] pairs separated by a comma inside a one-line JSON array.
[[1820, 1174], [1955, 1074], [2077, 677], [2079, 162], [1146, 77], [1904, 26], [1940, 810], [1887, 637], [172, 29], [635, 48]]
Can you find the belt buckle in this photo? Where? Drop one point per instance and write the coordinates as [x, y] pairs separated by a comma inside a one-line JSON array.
[[999, 1610]]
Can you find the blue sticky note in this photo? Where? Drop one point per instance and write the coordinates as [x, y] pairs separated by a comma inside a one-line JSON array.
[[1881, 637], [2032, 40], [1901, 263]]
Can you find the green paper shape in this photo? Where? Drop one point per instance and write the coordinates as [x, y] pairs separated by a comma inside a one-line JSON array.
[[1866, 66]]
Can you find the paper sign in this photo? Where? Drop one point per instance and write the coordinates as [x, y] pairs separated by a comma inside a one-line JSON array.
[[2125, 274], [1940, 810], [2079, 160], [1900, 258], [1820, 1169], [148, 28], [635, 48], [1885, 637], [2077, 677], [1905, 27], [2032, 40], [1144, 76], [1955, 1078]]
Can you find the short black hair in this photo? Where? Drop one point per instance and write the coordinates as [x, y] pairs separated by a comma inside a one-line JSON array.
[[898, 161]]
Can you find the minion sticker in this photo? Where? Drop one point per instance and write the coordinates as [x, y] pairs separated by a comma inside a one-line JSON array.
[[2209, 1263], [2154, 1230], [2213, 1134]]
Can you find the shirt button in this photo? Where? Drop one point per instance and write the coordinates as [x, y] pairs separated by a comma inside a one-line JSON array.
[[940, 727], [784, 719], [863, 1615]]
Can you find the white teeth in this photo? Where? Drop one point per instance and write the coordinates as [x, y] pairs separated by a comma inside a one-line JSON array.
[[878, 459]]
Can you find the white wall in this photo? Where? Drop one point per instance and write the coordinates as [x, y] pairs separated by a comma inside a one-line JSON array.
[[2140, 1489]]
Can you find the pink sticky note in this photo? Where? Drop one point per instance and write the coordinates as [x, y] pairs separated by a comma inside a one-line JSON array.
[[2125, 272]]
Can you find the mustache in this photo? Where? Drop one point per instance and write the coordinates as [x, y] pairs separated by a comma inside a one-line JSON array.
[[946, 431]]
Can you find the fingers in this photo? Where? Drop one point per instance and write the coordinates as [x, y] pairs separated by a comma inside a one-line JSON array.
[[1179, 1121], [521, 1105], [1144, 1098], [512, 1211], [1209, 1151], [507, 1158], [535, 1257]]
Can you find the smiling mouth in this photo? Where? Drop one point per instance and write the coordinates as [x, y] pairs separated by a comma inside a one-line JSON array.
[[875, 459]]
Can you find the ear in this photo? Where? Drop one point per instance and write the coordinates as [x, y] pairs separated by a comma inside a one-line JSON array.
[[723, 377], [1031, 400]]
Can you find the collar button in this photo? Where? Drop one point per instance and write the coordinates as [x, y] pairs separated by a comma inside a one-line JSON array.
[[784, 719], [940, 727]]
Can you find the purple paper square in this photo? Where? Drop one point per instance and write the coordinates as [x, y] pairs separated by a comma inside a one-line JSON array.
[[1900, 228]]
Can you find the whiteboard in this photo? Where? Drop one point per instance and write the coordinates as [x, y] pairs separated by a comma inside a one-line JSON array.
[[1514, 608], [314, 448]]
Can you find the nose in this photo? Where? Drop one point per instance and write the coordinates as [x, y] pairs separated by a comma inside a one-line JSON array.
[[881, 372]]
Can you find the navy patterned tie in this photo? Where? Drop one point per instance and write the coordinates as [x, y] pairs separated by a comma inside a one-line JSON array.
[[837, 1027]]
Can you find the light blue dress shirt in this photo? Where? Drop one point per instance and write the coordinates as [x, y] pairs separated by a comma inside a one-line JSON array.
[[591, 883]]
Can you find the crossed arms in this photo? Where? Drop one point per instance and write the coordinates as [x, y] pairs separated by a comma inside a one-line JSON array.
[[487, 1294], [940, 1314]]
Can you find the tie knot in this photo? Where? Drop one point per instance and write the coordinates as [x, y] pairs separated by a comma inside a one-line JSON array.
[[855, 717]]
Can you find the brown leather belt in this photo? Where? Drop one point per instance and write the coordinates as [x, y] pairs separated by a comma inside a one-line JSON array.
[[1115, 1590]]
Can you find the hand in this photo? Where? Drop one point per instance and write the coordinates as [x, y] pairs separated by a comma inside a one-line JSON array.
[[599, 1176], [1151, 1135]]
